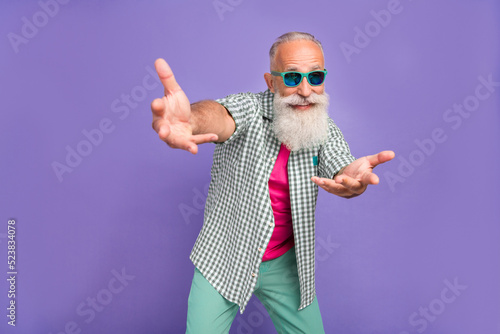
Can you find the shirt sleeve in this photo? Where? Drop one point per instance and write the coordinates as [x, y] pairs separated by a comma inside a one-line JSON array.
[[242, 107], [334, 154]]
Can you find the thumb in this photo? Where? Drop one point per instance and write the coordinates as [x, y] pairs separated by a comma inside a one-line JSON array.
[[380, 158], [166, 76]]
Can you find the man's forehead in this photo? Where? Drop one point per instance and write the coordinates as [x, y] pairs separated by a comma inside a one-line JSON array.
[[293, 54]]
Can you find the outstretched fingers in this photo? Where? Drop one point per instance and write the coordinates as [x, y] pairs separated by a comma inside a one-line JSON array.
[[370, 178], [160, 124], [350, 183], [358, 184], [345, 186], [329, 185], [158, 107], [189, 143]]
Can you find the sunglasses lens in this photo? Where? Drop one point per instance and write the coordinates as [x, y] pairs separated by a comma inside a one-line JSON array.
[[292, 79], [316, 78]]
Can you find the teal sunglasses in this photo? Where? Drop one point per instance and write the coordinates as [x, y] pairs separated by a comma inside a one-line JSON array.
[[293, 79]]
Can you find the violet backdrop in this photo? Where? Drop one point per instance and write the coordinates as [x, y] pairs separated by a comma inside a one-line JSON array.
[[107, 214]]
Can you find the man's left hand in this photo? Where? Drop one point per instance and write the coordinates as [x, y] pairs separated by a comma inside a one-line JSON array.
[[353, 179]]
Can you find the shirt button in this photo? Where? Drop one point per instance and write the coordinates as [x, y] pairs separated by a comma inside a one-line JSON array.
[[260, 249], [254, 274], [271, 224]]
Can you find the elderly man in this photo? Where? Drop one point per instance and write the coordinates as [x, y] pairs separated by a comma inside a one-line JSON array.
[[273, 150]]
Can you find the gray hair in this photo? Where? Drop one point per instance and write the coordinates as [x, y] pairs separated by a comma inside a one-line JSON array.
[[292, 36]]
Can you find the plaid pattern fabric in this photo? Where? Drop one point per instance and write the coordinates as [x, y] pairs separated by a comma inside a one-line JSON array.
[[238, 217]]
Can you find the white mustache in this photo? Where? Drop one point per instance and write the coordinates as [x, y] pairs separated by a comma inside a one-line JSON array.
[[296, 99]]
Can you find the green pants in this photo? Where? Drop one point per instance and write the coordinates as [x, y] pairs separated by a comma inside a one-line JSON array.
[[278, 290]]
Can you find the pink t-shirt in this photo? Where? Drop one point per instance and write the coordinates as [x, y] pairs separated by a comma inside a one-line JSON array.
[[282, 237]]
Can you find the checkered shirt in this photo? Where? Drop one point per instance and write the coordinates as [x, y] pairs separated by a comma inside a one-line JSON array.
[[238, 218]]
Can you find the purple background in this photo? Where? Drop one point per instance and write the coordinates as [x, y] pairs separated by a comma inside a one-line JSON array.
[[381, 257]]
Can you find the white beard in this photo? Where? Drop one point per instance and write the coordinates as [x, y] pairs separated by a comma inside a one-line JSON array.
[[299, 129]]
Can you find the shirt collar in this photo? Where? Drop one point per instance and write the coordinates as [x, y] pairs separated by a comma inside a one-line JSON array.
[[267, 105]]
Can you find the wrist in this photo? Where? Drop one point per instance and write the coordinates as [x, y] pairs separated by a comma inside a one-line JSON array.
[[340, 172], [193, 119]]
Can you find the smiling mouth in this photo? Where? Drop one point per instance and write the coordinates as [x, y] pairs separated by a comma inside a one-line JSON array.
[[301, 106]]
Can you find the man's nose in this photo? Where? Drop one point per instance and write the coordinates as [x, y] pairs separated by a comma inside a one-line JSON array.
[[304, 88]]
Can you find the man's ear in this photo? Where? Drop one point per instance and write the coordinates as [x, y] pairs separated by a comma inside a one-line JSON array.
[[269, 81]]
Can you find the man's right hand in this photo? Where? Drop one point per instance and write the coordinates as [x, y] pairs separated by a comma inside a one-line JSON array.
[[172, 114]]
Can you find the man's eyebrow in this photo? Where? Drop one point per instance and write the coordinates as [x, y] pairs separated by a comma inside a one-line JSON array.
[[294, 68]]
